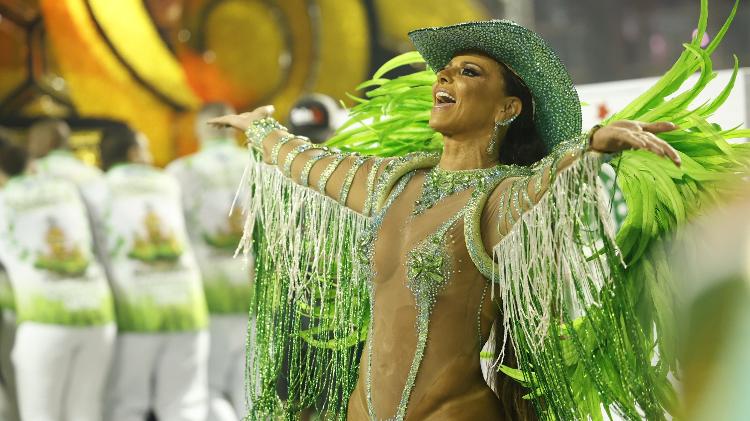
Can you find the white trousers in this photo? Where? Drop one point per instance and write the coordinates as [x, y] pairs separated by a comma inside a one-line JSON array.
[[61, 371], [9, 410], [226, 374], [163, 372], [5, 405]]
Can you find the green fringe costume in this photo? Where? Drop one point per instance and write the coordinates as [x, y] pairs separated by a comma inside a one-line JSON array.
[[590, 320]]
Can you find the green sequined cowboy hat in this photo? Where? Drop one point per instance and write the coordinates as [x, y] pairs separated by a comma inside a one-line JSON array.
[[557, 109]]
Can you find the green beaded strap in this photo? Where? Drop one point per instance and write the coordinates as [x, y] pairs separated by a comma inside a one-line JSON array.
[[260, 129], [304, 177], [289, 160], [473, 217], [371, 186], [397, 168], [328, 172], [277, 148], [473, 228], [344, 194]]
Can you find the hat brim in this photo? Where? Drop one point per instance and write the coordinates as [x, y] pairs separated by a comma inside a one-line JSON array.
[[557, 109]]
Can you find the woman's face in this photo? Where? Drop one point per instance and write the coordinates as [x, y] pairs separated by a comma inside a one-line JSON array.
[[469, 95]]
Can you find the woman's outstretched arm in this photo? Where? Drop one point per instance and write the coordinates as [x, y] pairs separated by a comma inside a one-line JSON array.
[[515, 196], [346, 178]]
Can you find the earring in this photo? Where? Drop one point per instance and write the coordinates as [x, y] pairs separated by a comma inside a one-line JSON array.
[[498, 125], [493, 139], [504, 123]]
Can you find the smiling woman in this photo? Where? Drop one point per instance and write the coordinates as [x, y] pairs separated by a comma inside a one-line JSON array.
[[424, 255], [501, 89]]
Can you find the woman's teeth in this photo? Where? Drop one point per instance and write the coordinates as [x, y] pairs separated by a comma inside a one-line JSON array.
[[444, 97]]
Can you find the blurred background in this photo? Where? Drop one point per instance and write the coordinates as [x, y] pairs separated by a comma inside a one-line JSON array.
[[152, 63]]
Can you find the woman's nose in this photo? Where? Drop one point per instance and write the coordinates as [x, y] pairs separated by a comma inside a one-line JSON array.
[[443, 77]]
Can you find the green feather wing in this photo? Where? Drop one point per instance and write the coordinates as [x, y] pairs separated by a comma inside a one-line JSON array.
[[661, 196]]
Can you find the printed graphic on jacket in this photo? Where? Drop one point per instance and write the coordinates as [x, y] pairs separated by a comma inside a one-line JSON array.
[[46, 246], [152, 269], [209, 181]]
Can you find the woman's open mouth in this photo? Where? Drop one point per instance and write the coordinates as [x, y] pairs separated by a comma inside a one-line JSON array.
[[444, 99]]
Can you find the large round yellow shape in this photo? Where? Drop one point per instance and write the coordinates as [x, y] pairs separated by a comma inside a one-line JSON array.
[[344, 59], [247, 41], [302, 27], [398, 17]]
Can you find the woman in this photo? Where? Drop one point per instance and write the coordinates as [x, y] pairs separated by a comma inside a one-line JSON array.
[[500, 106]]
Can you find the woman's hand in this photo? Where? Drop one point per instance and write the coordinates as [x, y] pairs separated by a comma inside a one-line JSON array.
[[242, 121], [624, 134]]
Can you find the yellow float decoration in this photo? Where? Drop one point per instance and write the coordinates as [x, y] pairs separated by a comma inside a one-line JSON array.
[[128, 29], [99, 84], [398, 17], [344, 57]]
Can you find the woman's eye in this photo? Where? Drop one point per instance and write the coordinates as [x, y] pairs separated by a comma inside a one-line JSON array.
[[469, 72]]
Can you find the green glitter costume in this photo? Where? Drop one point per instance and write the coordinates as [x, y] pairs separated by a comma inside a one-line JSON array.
[[584, 311]]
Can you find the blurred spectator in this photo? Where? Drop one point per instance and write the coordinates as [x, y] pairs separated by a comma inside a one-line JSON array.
[[209, 181], [8, 406], [13, 160], [162, 349], [315, 116], [65, 334], [46, 136], [51, 153]]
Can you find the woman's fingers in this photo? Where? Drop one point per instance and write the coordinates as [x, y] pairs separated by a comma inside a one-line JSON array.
[[650, 145], [669, 151], [658, 127], [631, 140], [265, 110], [660, 147], [222, 121], [626, 134], [236, 120]]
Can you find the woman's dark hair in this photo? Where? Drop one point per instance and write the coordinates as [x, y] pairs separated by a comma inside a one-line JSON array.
[[13, 158], [522, 144], [116, 142]]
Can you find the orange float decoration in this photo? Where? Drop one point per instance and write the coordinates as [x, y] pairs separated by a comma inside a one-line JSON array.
[[108, 78]]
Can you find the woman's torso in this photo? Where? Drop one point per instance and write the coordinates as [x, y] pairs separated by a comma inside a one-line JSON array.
[[425, 283]]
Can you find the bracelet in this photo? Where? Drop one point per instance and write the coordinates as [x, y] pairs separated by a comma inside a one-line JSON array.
[[344, 194], [590, 134], [260, 129], [277, 148], [304, 177], [289, 160], [328, 172]]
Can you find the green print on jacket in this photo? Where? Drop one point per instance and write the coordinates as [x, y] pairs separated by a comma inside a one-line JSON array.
[[46, 246], [215, 222], [152, 269]]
